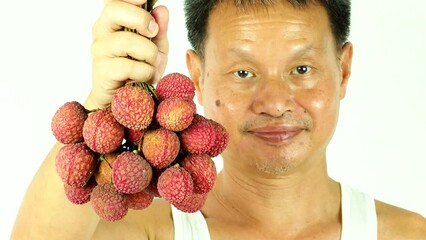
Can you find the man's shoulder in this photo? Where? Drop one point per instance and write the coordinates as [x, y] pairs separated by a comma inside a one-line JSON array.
[[398, 223]]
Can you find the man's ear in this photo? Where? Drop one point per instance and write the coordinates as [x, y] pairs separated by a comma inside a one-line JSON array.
[[193, 63], [345, 67]]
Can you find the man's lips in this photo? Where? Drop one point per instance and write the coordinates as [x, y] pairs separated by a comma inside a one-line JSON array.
[[274, 134]]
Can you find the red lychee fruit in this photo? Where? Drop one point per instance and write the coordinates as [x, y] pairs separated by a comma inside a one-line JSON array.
[[175, 114], [221, 140], [175, 85], [75, 164], [67, 122], [160, 147], [175, 184], [104, 169], [202, 170], [152, 187], [199, 137], [108, 203], [79, 195], [192, 204], [133, 136], [131, 173], [101, 132], [139, 200], [133, 107]]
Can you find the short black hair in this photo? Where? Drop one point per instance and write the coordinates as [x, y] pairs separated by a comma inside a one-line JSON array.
[[197, 13]]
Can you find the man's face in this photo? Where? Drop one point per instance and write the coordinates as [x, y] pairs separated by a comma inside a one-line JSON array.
[[273, 78]]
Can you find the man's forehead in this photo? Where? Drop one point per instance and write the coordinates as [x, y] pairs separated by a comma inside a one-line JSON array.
[[253, 7], [228, 15], [308, 41], [290, 21]]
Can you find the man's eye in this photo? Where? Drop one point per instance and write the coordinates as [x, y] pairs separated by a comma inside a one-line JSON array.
[[243, 74], [302, 69]]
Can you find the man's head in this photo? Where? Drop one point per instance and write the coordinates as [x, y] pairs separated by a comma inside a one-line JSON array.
[[197, 13], [270, 73]]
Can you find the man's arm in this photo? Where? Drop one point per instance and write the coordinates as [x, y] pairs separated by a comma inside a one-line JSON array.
[[46, 213]]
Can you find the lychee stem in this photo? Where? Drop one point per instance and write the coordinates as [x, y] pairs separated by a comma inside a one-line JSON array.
[[88, 111], [102, 158], [149, 5], [149, 88], [139, 145]]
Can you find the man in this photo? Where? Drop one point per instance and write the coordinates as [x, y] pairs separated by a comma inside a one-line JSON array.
[[273, 73]]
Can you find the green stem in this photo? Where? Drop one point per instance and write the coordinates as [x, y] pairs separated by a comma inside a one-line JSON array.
[[150, 5]]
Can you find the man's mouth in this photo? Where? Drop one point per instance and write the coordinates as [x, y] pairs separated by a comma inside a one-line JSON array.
[[276, 134]]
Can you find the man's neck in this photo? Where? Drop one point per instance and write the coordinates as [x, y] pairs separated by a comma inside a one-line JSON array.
[[293, 200]]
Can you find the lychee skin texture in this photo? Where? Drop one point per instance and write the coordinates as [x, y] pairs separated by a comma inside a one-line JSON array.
[[108, 204], [160, 147], [202, 170], [175, 114], [175, 185], [75, 164], [221, 140], [67, 122], [131, 173], [104, 169], [175, 85], [199, 137], [193, 204], [133, 107], [79, 195], [139, 200], [101, 132], [133, 136], [152, 187]]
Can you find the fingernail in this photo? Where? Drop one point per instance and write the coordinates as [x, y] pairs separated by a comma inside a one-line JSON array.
[[152, 26]]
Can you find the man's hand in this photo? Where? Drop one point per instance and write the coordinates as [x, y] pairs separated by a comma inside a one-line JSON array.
[[119, 56]]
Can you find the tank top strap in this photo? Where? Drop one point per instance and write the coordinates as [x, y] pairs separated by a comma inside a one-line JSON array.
[[189, 226], [359, 218]]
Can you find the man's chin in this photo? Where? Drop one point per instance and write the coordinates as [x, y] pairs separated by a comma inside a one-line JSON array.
[[275, 168]]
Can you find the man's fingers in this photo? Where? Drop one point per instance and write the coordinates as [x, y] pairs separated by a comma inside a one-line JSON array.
[[121, 69], [161, 16], [117, 15], [126, 44]]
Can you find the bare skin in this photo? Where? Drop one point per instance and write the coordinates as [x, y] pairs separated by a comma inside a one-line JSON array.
[[275, 82]]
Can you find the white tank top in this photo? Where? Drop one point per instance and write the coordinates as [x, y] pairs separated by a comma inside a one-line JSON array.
[[359, 219]]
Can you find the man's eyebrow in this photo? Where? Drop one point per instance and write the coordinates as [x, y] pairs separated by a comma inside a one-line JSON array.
[[305, 50], [241, 53], [296, 52]]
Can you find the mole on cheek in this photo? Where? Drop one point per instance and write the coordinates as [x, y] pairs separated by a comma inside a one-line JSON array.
[[217, 103]]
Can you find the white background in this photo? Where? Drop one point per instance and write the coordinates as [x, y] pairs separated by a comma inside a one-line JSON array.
[[378, 147]]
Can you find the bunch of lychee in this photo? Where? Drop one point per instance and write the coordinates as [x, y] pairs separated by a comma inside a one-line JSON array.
[[149, 142]]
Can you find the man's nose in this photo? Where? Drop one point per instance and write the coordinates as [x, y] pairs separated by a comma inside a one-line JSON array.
[[274, 97]]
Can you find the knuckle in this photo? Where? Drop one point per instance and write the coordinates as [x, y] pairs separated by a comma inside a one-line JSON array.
[[150, 72], [94, 48], [95, 28], [97, 48]]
